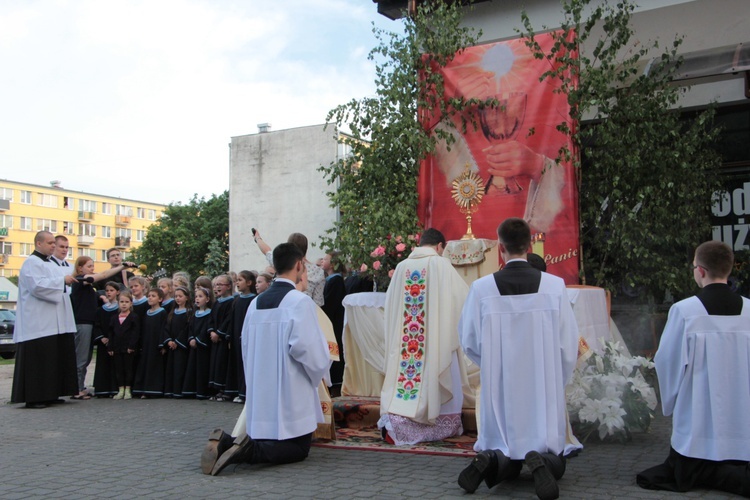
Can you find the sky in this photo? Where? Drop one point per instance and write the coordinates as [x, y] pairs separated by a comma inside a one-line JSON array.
[[140, 99]]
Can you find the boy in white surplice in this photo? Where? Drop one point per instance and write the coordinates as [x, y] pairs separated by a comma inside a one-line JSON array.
[[518, 326]]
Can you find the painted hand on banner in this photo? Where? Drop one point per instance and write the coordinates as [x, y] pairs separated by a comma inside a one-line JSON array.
[[510, 159]]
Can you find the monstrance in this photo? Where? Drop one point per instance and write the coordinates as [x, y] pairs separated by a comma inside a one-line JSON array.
[[468, 189]]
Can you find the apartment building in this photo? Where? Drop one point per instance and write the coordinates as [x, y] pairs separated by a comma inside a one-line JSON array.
[[93, 223]]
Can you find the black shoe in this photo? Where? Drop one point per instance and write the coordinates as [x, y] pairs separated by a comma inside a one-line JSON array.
[[544, 481], [240, 451], [55, 402], [36, 406], [218, 442], [472, 476], [498, 472]]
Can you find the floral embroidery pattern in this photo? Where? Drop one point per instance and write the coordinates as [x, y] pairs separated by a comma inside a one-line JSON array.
[[413, 336]]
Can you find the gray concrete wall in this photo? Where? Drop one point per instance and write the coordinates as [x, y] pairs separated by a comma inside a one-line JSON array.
[[275, 186]]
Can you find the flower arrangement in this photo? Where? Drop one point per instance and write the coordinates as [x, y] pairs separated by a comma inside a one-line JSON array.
[[610, 395], [385, 257]]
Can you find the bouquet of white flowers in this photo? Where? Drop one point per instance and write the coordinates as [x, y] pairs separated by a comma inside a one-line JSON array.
[[610, 394]]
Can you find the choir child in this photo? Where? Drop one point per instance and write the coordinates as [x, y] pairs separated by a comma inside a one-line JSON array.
[[177, 332], [149, 377], [220, 338], [122, 345], [105, 383]]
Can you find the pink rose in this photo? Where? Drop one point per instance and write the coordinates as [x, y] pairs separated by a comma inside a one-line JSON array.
[[390, 273], [400, 247], [378, 252], [376, 265], [399, 239], [363, 268]]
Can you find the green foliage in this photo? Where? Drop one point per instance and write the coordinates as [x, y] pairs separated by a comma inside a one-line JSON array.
[[189, 237], [217, 259], [376, 185], [646, 178]]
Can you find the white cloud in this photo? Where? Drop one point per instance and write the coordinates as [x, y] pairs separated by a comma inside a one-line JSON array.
[[139, 99]]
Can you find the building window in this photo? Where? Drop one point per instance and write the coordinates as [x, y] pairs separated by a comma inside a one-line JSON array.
[[26, 197], [87, 252], [104, 256], [140, 213], [139, 234], [6, 248], [68, 227], [152, 215], [106, 208], [121, 232], [86, 230], [48, 200], [70, 203], [87, 206], [106, 232], [6, 194], [123, 210], [6, 221], [46, 225], [25, 223], [26, 249]]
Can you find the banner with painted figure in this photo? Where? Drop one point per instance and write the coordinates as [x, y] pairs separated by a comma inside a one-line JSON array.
[[518, 171]]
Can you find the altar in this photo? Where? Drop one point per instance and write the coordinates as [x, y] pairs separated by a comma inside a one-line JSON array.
[[364, 334]]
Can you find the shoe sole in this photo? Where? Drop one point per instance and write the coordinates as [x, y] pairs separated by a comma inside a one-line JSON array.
[[227, 457], [473, 475], [211, 452], [544, 482]]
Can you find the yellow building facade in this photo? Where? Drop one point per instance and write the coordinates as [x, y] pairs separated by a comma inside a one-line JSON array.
[[92, 223]]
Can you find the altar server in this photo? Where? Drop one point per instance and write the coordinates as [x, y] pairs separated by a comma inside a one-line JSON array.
[[45, 358], [704, 370], [285, 356], [518, 326], [425, 374]]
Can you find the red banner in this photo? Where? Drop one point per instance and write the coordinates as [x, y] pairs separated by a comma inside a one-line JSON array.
[[518, 169]]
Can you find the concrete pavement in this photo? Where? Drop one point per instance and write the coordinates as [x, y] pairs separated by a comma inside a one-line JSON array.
[[151, 448]]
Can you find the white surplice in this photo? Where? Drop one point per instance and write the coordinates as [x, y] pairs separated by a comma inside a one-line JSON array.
[[425, 376], [44, 308], [703, 365], [526, 347], [286, 356]]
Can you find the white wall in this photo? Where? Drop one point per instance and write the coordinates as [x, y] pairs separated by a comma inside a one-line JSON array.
[[275, 186]]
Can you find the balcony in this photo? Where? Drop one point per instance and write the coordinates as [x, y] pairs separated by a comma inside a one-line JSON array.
[[122, 241], [3, 232], [4, 205], [85, 240], [122, 220], [4, 258], [85, 216]]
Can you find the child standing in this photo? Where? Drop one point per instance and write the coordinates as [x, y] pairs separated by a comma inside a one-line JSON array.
[[220, 339], [196, 377], [166, 286], [236, 372], [149, 378], [177, 332], [122, 344], [105, 383]]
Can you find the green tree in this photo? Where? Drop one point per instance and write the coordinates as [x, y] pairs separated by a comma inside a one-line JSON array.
[[181, 240], [646, 178], [217, 259], [376, 186]]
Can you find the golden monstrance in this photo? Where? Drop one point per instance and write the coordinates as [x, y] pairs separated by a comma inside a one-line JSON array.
[[468, 190]]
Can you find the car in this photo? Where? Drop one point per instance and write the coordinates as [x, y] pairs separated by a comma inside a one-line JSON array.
[[7, 324]]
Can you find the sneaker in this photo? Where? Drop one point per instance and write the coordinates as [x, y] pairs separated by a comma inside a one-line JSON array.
[[238, 400], [473, 475], [544, 481]]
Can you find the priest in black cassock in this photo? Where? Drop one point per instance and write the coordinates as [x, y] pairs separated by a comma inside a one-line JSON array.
[[45, 366]]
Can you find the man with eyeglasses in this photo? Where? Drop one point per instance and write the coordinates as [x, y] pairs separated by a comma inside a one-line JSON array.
[[114, 257], [704, 373]]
